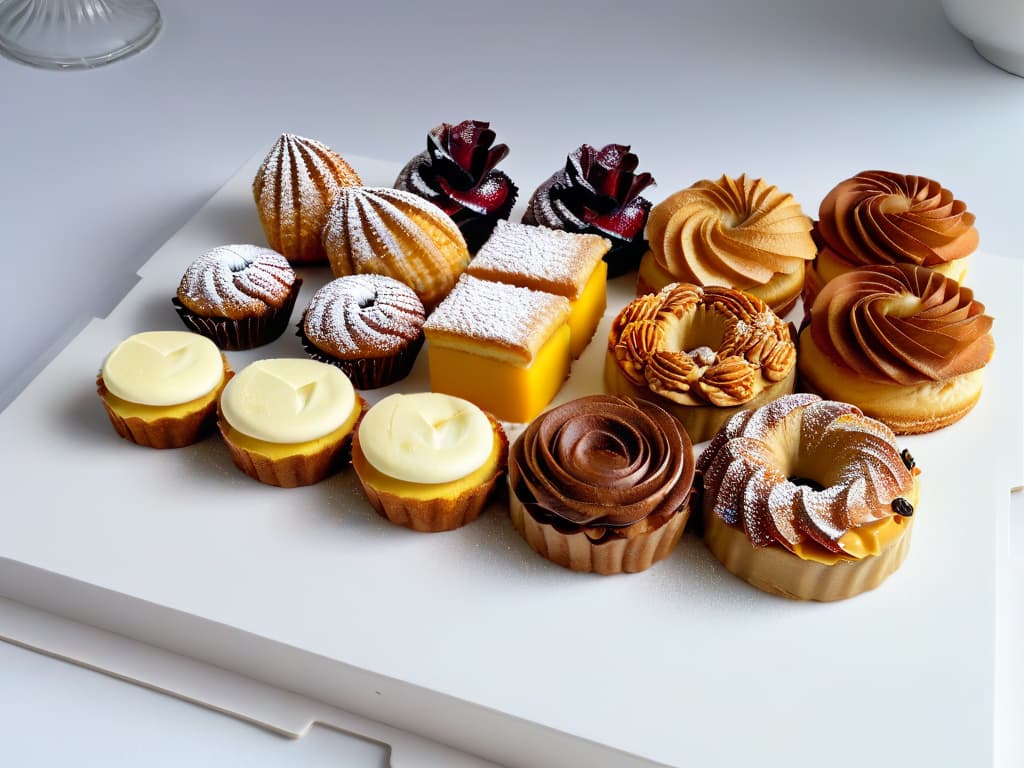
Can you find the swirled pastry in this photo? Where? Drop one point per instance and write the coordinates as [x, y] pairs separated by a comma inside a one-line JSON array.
[[457, 174], [294, 189], [370, 326], [741, 233], [389, 232], [601, 484], [700, 353], [240, 296], [880, 217], [808, 498], [904, 343]]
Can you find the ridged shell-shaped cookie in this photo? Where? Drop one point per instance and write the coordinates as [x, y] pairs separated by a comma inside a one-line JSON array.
[[294, 189], [389, 232]]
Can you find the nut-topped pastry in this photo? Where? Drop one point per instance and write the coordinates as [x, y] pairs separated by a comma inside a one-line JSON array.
[[904, 343], [601, 484], [240, 296], [385, 231], [554, 261], [597, 192], [808, 498], [880, 217], [742, 233], [370, 326], [457, 173], [701, 353], [294, 189]]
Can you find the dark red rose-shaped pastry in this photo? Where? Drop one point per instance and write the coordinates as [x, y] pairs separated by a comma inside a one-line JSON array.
[[457, 173], [598, 192]]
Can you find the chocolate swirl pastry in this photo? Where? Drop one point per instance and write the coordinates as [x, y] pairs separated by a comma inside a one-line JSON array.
[[879, 217], [457, 173], [602, 462], [598, 193], [901, 324]]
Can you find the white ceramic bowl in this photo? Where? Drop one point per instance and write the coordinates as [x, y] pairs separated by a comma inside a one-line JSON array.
[[995, 27]]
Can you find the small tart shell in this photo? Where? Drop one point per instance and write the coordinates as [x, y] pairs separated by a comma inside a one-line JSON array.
[[444, 511], [628, 550], [164, 426], [776, 570], [307, 464]]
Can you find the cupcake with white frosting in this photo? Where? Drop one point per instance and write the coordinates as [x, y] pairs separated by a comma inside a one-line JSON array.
[[428, 461]]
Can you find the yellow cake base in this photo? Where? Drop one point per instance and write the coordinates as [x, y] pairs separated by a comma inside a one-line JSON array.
[[585, 313]]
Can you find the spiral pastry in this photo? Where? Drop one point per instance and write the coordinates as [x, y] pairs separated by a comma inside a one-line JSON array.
[[742, 233], [903, 342], [294, 188], [386, 231], [602, 472]]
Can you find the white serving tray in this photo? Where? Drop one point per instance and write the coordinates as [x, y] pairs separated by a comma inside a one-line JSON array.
[[471, 639]]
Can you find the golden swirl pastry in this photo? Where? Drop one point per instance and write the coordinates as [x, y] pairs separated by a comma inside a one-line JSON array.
[[808, 498], [743, 233], [903, 342], [601, 483], [691, 348], [294, 188], [388, 232]]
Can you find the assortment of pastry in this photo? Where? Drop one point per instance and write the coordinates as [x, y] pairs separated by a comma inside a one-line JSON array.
[[800, 496]]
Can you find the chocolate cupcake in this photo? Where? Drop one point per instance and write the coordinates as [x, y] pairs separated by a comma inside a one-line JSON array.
[[239, 296], [370, 326], [456, 173], [602, 484], [598, 193]]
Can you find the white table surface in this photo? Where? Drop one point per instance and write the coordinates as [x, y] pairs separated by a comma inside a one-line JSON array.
[[101, 167]]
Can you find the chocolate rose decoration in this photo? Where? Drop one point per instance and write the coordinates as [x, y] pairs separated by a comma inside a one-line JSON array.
[[900, 323], [878, 217], [598, 193], [457, 173], [602, 461]]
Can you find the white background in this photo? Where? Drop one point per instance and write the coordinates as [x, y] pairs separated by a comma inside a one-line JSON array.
[[101, 167]]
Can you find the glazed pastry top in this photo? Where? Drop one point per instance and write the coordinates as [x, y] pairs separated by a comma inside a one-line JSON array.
[[602, 461], [236, 281], [850, 475], [163, 368], [360, 314], [901, 324], [879, 217], [737, 232], [287, 400], [426, 437]]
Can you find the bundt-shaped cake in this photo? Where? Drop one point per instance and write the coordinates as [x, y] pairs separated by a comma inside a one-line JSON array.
[[904, 343], [370, 326], [808, 498], [880, 217], [294, 189], [240, 296], [701, 353], [389, 232], [457, 173], [597, 193], [742, 233]]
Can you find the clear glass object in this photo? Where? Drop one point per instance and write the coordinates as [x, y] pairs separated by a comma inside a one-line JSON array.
[[76, 34]]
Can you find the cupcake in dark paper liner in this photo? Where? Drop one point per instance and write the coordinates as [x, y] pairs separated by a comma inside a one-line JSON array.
[[370, 326], [598, 193], [457, 173], [239, 296]]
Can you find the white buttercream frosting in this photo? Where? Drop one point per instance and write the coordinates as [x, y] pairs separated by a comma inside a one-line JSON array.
[[287, 400], [163, 368], [426, 437]]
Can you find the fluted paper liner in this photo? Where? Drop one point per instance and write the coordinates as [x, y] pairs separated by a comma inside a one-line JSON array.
[[369, 372], [776, 570], [243, 333], [165, 432], [618, 554], [297, 469], [444, 513]]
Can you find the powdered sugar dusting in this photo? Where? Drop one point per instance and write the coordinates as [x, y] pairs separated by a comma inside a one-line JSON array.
[[236, 280]]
